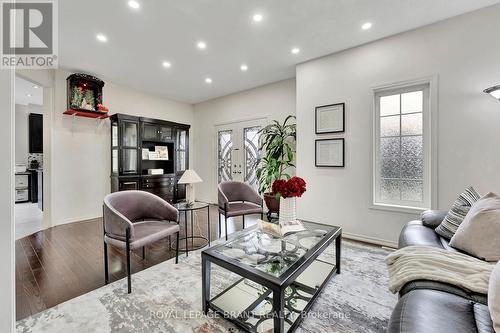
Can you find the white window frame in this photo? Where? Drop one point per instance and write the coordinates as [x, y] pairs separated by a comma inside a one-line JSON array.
[[429, 111]]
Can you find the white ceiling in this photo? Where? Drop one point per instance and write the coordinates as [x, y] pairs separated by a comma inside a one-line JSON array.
[[139, 40], [26, 93]]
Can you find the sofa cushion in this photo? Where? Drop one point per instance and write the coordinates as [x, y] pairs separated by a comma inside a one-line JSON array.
[[422, 311], [457, 213], [479, 233], [241, 208], [494, 296]]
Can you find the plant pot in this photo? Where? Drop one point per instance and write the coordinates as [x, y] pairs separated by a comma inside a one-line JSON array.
[[288, 210], [273, 205]]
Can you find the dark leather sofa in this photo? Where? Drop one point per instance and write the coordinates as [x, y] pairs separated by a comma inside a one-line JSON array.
[[428, 306]]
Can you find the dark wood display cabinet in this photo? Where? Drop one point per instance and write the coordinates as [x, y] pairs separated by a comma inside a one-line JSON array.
[[135, 143]]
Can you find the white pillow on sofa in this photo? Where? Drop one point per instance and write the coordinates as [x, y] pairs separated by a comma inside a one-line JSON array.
[[479, 233], [494, 297]]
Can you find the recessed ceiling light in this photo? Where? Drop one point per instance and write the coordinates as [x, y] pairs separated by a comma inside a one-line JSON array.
[[102, 38], [134, 4], [166, 64], [36, 87], [366, 26], [244, 67], [258, 17], [295, 50], [28, 95], [208, 80], [201, 45]]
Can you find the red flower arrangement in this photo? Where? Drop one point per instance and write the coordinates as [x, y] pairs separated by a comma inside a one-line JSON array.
[[294, 187]]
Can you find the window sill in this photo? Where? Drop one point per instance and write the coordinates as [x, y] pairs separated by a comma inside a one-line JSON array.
[[397, 208]]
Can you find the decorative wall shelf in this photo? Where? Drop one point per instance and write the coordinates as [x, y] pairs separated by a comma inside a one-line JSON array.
[[84, 97], [87, 114]]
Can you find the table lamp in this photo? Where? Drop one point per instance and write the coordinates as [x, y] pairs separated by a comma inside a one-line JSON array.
[[494, 91], [189, 178]]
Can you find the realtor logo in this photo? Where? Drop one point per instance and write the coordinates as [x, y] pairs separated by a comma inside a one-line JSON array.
[[29, 34]]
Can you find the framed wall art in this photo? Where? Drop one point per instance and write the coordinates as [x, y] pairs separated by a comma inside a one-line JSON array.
[[330, 153], [330, 118]]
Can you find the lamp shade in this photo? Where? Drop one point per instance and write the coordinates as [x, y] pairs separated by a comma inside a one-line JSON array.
[[190, 177], [494, 91]]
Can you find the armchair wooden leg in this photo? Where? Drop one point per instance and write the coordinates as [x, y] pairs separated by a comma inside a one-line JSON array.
[[243, 221], [127, 248], [177, 249], [106, 276], [262, 215]]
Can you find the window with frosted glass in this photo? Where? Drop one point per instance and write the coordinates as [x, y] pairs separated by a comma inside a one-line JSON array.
[[401, 177]]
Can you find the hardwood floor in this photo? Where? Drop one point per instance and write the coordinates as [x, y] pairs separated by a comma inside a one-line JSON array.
[[63, 262]]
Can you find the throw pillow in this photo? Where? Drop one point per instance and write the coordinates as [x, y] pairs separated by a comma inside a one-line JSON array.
[[479, 233], [457, 213], [494, 297]]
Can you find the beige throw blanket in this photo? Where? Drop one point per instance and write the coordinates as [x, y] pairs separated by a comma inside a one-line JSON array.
[[428, 263]]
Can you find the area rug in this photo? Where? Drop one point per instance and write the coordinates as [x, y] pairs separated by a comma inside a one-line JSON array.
[[167, 298]]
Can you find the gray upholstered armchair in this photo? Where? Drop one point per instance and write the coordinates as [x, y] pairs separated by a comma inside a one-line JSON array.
[[238, 199], [134, 219]]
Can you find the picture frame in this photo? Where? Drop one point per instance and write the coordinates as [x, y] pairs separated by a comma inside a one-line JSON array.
[[162, 152], [330, 118], [329, 153]]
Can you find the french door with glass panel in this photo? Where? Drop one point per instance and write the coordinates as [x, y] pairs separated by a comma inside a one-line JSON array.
[[238, 151]]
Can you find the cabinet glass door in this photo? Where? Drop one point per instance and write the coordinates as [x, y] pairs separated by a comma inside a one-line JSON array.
[[114, 147], [150, 132], [165, 133], [181, 150], [129, 148], [129, 161], [130, 132]]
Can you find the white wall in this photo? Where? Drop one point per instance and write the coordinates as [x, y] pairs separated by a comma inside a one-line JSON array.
[[7, 290], [464, 55], [81, 147], [274, 101], [22, 130]]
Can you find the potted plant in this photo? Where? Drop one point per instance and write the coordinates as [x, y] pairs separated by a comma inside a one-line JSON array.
[[277, 147]]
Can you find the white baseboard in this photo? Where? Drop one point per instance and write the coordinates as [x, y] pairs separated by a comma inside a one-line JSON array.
[[371, 240], [76, 219]]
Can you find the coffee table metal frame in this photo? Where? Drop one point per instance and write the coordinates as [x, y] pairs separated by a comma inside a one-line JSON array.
[[275, 284]]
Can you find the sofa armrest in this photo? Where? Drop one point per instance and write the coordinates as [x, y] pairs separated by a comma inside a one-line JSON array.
[[433, 218]]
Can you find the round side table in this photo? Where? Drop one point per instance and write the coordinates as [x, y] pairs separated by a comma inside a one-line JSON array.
[[184, 207]]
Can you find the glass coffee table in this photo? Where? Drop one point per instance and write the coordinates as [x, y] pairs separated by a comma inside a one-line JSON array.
[[279, 278]]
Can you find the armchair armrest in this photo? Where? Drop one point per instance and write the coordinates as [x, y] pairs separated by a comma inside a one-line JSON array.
[[433, 218], [222, 199], [254, 197], [157, 208], [115, 223]]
